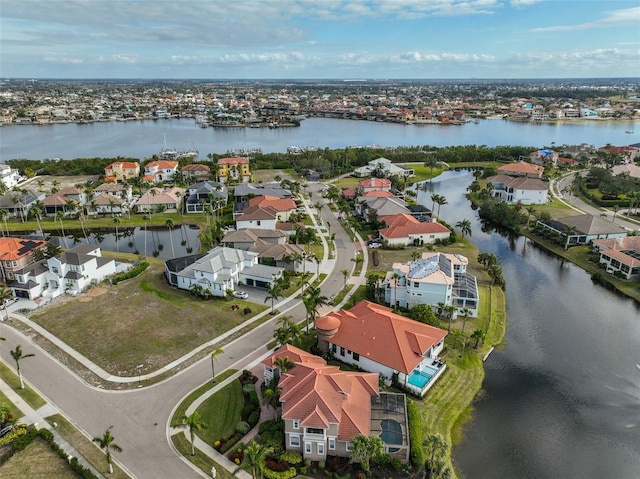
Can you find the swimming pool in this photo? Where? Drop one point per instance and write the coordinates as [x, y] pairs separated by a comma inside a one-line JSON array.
[[419, 379], [391, 433]]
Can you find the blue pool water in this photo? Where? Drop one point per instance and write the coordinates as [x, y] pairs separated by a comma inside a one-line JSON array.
[[391, 433], [419, 378]]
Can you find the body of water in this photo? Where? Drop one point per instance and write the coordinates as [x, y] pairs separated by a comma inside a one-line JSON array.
[[561, 396], [142, 139]]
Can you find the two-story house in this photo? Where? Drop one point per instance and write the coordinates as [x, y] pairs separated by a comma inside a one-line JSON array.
[[196, 171], [206, 193], [16, 254], [521, 168], [433, 279], [220, 270], [10, 177], [324, 408], [69, 200], [523, 190], [121, 171], [72, 272], [404, 229], [161, 171], [375, 339]]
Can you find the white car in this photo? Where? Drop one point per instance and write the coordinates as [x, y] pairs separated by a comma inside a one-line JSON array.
[[8, 302], [375, 245], [240, 294]]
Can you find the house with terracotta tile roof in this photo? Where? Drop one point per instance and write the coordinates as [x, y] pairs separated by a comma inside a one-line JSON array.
[[373, 184], [160, 171], [196, 171], [405, 229], [521, 168], [620, 255], [257, 217], [156, 199], [433, 279], [523, 190], [107, 203], [69, 200], [15, 254], [630, 170], [122, 171], [283, 206], [324, 408], [233, 170], [376, 339]]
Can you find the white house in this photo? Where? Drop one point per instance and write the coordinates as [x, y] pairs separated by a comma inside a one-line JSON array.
[[382, 167], [9, 176], [71, 272], [433, 279], [220, 270], [620, 255], [161, 171], [523, 190], [404, 229], [377, 340], [257, 217]]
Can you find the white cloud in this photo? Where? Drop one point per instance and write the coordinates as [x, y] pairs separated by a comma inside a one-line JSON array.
[[524, 3], [615, 18]]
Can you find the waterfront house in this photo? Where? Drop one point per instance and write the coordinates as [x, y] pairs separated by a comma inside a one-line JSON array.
[[160, 199], [257, 217], [243, 192], [205, 193], [324, 408], [120, 190], [375, 339], [373, 184], [161, 171], [582, 229], [382, 167], [121, 171], [620, 255], [15, 254], [69, 200], [376, 207], [17, 203], [233, 170], [271, 245], [73, 272], [523, 190], [220, 270], [107, 203], [405, 229], [10, 177], [283, 206], [196, 171], [434, 279], [545, 157]]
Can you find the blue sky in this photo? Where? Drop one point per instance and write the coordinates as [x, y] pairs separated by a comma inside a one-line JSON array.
[[316, 39]]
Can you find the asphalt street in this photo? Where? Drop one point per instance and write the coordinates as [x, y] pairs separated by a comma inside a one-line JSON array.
[[140, 417]]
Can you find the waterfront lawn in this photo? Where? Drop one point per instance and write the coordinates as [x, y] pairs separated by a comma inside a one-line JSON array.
[[37, 461], [147, 322], [221, 412]]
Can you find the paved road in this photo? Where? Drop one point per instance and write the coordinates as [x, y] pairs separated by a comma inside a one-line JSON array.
[[140, 417]]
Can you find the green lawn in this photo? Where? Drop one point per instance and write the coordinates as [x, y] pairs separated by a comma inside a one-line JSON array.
[[87, 448], [31, 397], [200, 460], [13, 410], [37, 461], [221, 412], [171, 321]]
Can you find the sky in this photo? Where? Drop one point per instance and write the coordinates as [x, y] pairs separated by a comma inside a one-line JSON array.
[[319, 39]]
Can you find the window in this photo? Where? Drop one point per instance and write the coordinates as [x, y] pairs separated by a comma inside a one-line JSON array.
[[341, 351], [348, 447], [356, 357], [296, 424], [332, 444], [307, 448], [294, 440], [334, 348], [320, 449], [258, 222]]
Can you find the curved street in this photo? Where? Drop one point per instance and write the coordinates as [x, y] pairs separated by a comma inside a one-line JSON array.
[[140, 417]]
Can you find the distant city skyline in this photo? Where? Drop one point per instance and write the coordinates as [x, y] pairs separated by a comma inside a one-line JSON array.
[[319, 39]]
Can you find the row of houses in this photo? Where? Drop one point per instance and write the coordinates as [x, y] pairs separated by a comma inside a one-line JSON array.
[[165, 171]]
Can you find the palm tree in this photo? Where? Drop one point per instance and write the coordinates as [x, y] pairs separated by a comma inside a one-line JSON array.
[[441, 200], [271, 398], [284, 364], [60, 217], [5, 295], [465, 315], [106, 443], [254, 459], [478, 335], [116, 221], [17, 355], [346, 273], [415, 254], [215, 353], [465, 227], [195, 424], [169, 224], [312, 302], [435, 446], [396, 277], [145, 219], [273, 293]]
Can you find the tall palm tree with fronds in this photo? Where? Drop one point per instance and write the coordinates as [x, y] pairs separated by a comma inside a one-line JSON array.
[[145, 219], [107, 444], [465, 227], [116, 221], [5, 295], [17, 355], [273, 293], [169, 224], [195, 424], [284, 364], [214, 354], [60, 217], [312, 302], [254, 459]]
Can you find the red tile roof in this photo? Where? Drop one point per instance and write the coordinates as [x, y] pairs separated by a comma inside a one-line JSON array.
[[278, 204], [232, 161], [403, 225], [16, 248], [163, 164], [376, 333], [374, 183], [522, 167], [379, 194]]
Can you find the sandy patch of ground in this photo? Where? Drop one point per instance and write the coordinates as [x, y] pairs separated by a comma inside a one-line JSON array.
[[96, 291]]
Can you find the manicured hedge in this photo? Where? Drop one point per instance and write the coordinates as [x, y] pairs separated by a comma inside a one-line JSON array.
[[132, 273], [416, 454]]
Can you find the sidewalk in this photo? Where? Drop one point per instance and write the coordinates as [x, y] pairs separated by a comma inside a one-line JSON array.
[[37, 418]]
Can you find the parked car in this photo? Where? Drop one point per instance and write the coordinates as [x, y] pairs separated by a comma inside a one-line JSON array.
[[8, 302], [240, 294], [375, 245]]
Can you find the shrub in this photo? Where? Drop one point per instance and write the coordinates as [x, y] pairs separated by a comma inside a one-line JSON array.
[[288, 474], [132, 273], [247, 410], [243, 428], [229, 443], [253, 398], [292, 457], [254, 417], [248, 388], [321, 464], [271, 425], [416, 454], [276, 464]]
